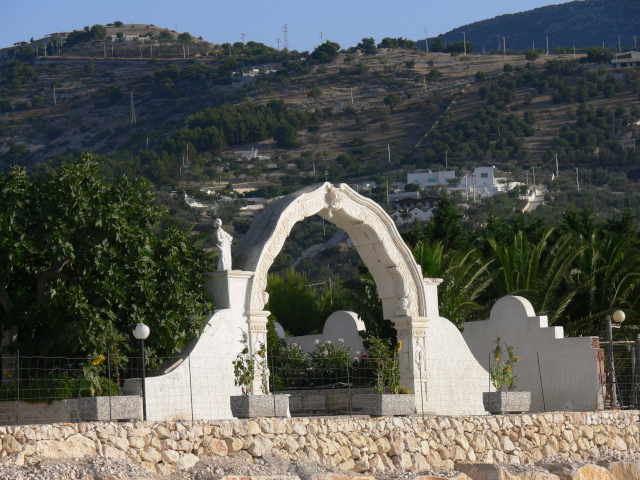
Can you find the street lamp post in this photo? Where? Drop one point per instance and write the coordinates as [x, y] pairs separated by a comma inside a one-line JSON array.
[[618, 317], [141, 333]]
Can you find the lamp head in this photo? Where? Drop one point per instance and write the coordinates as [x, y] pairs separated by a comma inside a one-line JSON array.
[[141, 331], [618, 316]]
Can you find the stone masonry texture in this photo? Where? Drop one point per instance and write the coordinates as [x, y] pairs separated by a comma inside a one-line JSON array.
[[361, 444]]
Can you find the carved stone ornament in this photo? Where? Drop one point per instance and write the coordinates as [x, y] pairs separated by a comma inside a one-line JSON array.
[[354, 213]]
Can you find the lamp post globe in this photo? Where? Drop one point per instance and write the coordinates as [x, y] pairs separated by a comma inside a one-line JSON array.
[[141, 332], [618, 316]]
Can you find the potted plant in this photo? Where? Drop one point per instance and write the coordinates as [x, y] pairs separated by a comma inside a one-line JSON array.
[[502, 376], [389, 398], [244, 369]]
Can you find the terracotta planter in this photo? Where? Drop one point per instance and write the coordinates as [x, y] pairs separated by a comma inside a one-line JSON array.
[[506, 402], [251, 406], [388, 404]]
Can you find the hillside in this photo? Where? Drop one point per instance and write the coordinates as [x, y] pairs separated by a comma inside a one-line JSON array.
[[579, 23]]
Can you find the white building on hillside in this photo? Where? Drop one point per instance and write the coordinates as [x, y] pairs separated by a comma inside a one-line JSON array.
[[429, 179], [482, 180], [250, 155]]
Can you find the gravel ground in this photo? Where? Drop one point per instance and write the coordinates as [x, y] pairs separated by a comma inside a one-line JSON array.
[[213, 468]]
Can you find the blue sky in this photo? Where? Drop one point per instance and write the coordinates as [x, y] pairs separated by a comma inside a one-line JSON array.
[[345, 22]]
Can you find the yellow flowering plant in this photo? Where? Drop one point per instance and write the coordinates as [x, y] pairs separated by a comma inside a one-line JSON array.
[[502, 371]]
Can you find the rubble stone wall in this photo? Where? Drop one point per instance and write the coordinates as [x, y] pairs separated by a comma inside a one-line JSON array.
[[361, 444]]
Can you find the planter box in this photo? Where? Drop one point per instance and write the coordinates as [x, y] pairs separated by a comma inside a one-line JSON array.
[[506, 402], [100, 409], [251, 406], [388, 404]]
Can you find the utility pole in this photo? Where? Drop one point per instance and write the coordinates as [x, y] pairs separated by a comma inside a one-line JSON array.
[[112, 50], [474, 188], [321, 39], [534, 45], [557, 173], [351, 90], [425, 84], [466, 186], [547, 45], [54, 95], [387, 192], [504, 47], [243, 39], [389, 150], [278, 43], [577, 181], [464, 40], [426, 40], [286, 37], [147, 143], [104, 48], [574, 52], [499, 43], [534, 179], [527, 174], [133, 111], [446, 159]]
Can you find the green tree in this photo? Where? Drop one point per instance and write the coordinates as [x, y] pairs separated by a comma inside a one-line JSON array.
[[445, 226], [286, 136], [532, 55], [83, 260], [293, 304], [325, 53], [465, 277], [367, 45], [392, 100], [537, 272]]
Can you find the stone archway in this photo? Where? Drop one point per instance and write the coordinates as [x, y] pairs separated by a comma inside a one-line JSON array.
[[408, 300], [435, 361], [397, 275]]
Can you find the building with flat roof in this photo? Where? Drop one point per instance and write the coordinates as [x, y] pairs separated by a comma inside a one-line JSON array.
[[626, 59]]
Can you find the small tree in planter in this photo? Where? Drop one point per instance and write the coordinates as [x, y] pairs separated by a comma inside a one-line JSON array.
[[244, 369], [399, 400], [502, 375]]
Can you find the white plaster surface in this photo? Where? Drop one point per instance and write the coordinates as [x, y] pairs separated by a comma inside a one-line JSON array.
[[453, 378], [342, 324], [568, 366], [201, 385]]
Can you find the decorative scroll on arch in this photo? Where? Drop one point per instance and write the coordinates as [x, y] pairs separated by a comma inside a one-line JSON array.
[[398, 277]]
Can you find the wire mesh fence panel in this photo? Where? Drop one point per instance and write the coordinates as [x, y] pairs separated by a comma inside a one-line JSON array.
[[622, 389]]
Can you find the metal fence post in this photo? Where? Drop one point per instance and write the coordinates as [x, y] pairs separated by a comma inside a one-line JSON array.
[[349, 385], [273, 379], [18, 387], [190, 385], [109, 381]]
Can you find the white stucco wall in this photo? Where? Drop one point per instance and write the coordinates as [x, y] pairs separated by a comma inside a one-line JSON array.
[[342, 324], [568, 366]]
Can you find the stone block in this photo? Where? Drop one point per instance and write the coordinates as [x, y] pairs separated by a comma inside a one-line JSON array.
[[254, 406], [387, 404], [506, 402]]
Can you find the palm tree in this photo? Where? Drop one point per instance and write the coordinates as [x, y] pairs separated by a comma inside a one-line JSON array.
[[465, 277], [605, 278], [537, 272]]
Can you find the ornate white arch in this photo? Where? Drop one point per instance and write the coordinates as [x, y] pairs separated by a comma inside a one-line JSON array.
[[398, 277]]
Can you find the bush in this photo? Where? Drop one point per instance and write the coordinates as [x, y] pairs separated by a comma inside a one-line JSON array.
[[480, 75], [508, 67]]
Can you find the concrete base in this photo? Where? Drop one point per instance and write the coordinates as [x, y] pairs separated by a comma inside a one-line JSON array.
[[388, 404], [254, 406], [507, 402]]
